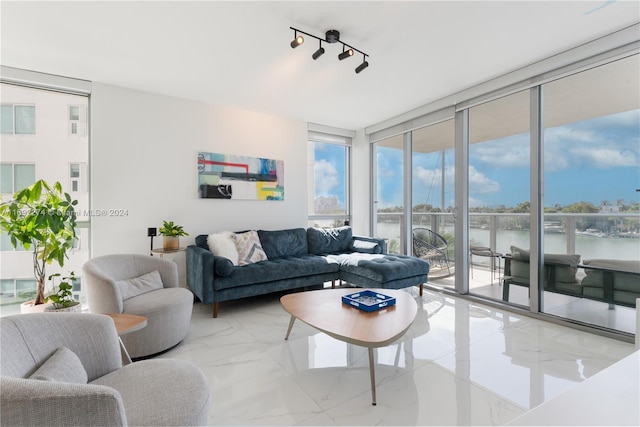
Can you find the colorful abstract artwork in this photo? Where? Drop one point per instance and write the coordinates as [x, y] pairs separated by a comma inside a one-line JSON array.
[[223, 176]]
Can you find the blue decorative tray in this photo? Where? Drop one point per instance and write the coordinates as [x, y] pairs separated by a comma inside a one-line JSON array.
[[368, 300]]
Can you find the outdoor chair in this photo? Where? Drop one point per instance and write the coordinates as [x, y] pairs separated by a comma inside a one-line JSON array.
[[432, 247], [483, 251]]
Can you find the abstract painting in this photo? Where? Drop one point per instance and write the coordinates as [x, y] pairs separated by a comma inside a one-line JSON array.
[[224, 176]]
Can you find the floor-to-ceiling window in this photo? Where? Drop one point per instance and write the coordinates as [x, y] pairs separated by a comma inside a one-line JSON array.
[[550, 174], [328, 165], [591, 179], [44, 136], [389, 202], [499, 201], [433, 191]]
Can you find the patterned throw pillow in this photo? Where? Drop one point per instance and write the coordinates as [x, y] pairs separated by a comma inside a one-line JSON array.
[[249, 248]]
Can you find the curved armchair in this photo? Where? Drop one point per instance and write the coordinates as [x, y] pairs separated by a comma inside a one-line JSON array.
[[432, 247], [61, 369], [142, 285]]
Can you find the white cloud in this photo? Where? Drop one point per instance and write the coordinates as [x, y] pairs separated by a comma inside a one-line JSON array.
[[427, 176], [604, 158], [511, 152], [476, 203], [479, 183], [572, 135], [326, 177]]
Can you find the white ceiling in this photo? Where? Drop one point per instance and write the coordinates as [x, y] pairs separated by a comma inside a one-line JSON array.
[[238, 54]]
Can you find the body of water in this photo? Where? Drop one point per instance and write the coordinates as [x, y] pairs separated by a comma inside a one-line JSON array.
[[589, 247]]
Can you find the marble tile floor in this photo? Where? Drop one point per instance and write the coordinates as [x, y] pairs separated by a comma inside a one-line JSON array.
[[460, 363]]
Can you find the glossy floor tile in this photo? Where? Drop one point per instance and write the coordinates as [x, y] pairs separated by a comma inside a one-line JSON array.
[[460, 363]]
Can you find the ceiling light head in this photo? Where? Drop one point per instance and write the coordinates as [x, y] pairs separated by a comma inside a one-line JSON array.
[[361, 67], [346, 54], [318, 53], [297, 41]]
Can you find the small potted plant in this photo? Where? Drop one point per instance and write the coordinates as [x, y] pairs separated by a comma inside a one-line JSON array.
[[171, 235], [62, 296]]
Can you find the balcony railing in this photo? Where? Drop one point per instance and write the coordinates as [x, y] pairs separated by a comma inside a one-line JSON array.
[[592, 235]]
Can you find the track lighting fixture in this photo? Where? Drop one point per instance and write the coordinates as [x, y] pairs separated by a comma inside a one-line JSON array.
[[318, 53], [331, 36]]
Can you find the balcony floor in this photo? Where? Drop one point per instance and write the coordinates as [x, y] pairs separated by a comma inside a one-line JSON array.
[[580, 309]]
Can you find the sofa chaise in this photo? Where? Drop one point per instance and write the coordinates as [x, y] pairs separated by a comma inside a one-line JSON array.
[[281, 260]]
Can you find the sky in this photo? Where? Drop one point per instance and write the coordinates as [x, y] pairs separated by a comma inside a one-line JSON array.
[[329, 171], [592, 160]]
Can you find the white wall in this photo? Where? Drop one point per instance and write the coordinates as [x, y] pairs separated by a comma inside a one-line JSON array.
[[143, 161], [361, 184]]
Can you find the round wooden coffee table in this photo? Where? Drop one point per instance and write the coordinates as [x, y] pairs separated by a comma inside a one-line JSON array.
[[325, 311]]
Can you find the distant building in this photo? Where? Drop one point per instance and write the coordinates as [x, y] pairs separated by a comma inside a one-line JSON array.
[[43, 135], [609, 208], [327, 204]]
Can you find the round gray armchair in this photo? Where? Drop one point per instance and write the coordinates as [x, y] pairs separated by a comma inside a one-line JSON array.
[[66, 370], [142, 285]]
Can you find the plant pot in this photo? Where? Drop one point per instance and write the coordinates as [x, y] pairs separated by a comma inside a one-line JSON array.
[[74, 308], [170, 243], [29, 307]]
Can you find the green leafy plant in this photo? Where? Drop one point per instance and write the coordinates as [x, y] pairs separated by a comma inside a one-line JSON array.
[[62, 296], [170, 229], [43, 217]]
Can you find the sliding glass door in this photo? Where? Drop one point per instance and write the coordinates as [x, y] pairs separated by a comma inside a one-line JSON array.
[[591, 177], [433, 190], [550, 176], [499, 197]]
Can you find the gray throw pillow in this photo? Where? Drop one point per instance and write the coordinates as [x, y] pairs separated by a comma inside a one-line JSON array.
[[61, 366], [130, 288]]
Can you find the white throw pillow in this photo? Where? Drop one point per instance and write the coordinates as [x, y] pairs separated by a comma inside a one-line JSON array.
[[130, 288], [223, 244]]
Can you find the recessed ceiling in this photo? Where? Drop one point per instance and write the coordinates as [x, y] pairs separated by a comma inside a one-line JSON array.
[[238, 53]]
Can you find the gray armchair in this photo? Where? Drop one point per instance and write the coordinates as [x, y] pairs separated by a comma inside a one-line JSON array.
[[142, 285], [66, 369]]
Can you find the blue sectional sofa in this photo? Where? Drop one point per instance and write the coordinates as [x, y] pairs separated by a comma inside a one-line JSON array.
[[299, 259]]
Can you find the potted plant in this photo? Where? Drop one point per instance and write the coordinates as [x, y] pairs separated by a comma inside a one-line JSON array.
[[171, 235], [62, 295], [41, 217]]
